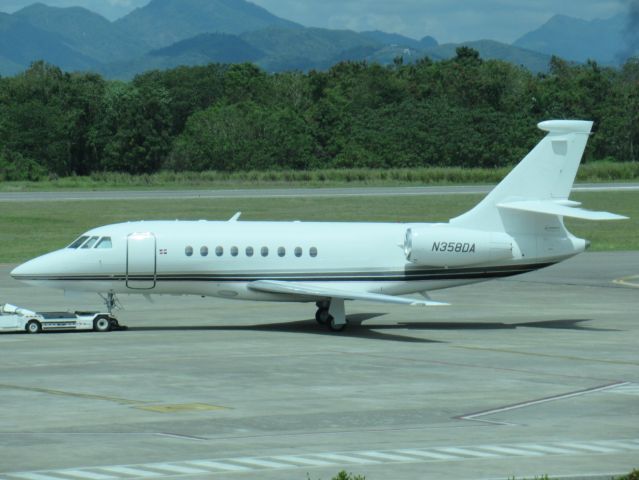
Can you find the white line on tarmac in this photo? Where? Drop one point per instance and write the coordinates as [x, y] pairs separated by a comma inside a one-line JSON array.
[[540, 401], [255, 465]]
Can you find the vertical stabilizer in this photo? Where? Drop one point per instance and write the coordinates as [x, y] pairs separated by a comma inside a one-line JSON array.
[[545, 174]]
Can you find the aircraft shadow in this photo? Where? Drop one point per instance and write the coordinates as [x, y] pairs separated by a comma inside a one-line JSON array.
[[564, 324], [357, 328]]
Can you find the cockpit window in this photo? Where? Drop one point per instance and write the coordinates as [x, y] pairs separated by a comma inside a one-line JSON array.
[[105, 242], [91, 242], [79, 242]]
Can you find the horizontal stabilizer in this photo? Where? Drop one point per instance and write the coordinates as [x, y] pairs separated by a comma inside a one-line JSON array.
[[559, 208], [320, 292]]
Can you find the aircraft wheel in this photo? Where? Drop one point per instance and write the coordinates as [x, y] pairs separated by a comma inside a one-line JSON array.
[[34, 327], [322, 316], [102, 324], [323, 304], [333, 327]]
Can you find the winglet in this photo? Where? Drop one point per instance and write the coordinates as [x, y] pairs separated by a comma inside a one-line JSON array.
[[235, 217]]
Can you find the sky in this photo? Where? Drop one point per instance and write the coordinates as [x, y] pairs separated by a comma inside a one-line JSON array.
[[446, 20]]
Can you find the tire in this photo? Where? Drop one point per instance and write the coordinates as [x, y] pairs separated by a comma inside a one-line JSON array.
[[33, 327], [322, 316], [333, 327], [102, 324]]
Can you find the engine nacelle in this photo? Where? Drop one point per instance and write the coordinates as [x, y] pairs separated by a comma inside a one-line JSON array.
[[443, 246]]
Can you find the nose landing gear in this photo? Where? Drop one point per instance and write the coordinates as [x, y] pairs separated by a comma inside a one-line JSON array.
[[111, 302]]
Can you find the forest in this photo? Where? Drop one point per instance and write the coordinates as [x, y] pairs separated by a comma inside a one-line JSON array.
[[462, 112]]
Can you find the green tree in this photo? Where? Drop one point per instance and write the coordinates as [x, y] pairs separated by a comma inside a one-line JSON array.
[[242, 136], [133, 134]]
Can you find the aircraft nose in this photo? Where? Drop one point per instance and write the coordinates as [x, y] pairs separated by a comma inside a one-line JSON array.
[[34, 269], [16, 272], [24, 270]]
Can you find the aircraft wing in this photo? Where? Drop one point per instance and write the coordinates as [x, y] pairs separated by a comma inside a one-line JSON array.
[[303, 290]]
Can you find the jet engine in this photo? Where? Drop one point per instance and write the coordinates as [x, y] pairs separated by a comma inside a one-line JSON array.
[[453, 247]]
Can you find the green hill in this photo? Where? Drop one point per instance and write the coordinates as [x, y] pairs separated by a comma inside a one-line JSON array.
[[164, 22], [306, 48], [579, 40], [491, 50], [86, 32], [22, 43]]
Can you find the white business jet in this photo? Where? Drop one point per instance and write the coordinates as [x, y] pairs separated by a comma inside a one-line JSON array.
[[516, 229]]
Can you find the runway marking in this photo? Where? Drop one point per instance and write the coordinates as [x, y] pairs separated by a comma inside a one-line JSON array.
[[631, 281], [626, 389], [553, 398], [87, 475], [132, 472], [168, 467], [219, 466], [254, 465], [37, 476]]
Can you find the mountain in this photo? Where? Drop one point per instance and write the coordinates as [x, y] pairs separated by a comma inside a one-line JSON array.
[[307, 48], [303, 49], [21, 43], [397, 40], [164, 22], [392, 39], [491, 50], [200, 50], [168, 33], [579, 40], [86, 32]]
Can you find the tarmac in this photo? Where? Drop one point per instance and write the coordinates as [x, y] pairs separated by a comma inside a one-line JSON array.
[[532, 375]]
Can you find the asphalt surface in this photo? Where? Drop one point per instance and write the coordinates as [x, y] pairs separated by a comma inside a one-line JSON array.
[[278, 192], [522, 377]]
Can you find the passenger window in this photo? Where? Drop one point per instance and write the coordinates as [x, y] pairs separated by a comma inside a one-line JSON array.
[[204, 251], [188, 251], [105, 242], [281, 251], [234, 251], [298, 251], [313, 252], [219, 251], [249, 251], [91, 242], [78, 242], [264, 251]]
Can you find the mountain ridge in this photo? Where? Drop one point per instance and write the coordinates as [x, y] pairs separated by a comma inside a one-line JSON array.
[[168, 33], [565, 37]]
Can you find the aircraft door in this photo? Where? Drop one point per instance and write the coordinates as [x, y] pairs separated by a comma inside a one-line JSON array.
[[140, 261]]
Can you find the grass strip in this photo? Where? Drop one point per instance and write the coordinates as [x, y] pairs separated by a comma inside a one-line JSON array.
[[594, 172], [32, 228]]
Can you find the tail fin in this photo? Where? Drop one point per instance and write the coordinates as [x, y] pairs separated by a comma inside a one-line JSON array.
[[542, 181]]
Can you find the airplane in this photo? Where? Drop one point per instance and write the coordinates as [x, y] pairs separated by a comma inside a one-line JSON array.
[[517, 228]]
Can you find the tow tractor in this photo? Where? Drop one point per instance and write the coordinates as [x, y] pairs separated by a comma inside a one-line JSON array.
[[16, 319]]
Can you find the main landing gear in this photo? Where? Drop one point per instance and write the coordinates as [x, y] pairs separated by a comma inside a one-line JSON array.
[[332, 314]]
